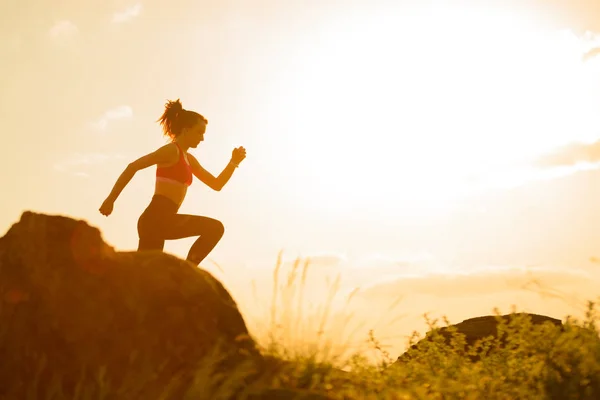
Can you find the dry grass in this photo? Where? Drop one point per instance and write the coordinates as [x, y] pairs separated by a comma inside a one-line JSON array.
[[536, 362]]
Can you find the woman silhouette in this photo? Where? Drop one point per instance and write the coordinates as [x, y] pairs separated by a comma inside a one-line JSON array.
[[175, 169]]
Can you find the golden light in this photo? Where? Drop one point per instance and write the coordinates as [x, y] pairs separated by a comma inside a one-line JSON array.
[[390, 110]]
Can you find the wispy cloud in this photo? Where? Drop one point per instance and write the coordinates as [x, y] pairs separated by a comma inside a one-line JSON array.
[[593, 53], [550, 291], [79, 164], [570, 155], [117, 113], [63, 29], [127, 14], [590, 42], [485, 281]]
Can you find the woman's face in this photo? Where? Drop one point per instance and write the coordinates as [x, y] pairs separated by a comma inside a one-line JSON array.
[[195, 134]]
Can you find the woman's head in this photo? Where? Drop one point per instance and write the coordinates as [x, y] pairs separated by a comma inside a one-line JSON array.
[[178, 123]]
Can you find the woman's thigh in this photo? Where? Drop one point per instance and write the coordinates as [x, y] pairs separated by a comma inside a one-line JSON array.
[[150, 227], [184, 225]]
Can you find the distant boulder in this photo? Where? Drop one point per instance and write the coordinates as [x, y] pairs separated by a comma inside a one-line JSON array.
[[71, 307], [479, 328]]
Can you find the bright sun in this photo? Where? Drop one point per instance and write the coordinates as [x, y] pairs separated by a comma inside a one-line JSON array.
[[409, 111]]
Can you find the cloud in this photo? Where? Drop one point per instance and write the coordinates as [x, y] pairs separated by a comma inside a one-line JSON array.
[[555, 292], [326, 259], [63, 29], [78, 163], [120, 112], [571, 154], [489, 281], [127, 14], [355, 272], [590, 42], [593, 53]]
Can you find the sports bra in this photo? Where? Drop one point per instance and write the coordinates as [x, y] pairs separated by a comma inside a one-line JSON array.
[[180, 172]]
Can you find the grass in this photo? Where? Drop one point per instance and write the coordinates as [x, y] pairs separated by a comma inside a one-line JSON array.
[[523, 362]]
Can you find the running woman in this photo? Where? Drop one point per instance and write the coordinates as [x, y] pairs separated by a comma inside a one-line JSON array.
[[175, 169]]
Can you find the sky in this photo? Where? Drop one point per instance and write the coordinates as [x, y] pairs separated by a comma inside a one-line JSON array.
[[425, 149]]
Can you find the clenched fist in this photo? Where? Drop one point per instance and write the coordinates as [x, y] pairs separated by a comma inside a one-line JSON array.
[[106, 208], [238, 154]]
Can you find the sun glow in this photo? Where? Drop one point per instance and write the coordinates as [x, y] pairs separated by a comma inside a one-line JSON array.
[[410, 108]]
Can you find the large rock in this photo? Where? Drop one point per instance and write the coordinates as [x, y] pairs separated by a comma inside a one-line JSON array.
[[68, 301], [479, 328]]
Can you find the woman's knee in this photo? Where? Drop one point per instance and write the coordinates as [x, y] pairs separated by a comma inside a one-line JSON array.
[[218, 229]]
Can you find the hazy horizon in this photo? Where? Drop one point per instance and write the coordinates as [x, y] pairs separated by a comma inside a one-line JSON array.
[[438, 152]]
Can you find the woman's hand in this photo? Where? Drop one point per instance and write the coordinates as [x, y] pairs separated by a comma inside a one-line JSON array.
[[106, 207], [237, 155]]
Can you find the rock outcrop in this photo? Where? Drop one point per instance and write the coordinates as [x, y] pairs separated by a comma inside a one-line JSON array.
[[479, 328], [71, 307]]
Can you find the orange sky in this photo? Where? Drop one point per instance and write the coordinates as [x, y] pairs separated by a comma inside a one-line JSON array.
[[396, 139]]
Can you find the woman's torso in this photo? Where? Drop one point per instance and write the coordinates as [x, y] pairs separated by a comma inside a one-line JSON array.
[[170, 186]]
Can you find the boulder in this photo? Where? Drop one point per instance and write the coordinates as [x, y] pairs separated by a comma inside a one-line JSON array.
[[479, 328], [74, 310]]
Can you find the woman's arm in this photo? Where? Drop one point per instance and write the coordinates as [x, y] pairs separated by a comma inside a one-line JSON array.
[[163, 155], [237, 156], [215, 183]]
